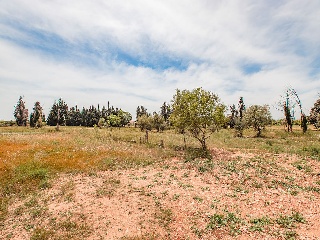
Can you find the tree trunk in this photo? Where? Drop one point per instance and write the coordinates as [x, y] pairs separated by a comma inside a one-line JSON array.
[[203, 144], [259, 132]]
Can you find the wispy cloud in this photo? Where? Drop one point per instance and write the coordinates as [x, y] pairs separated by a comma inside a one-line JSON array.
[[138, 52]]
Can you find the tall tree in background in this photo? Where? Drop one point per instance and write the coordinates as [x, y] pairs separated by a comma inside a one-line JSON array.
[[314, 117], [234, 115], [239, 123], [36, 116], [125, 117], [199, 112], [165, 111], [141, 110], [241, 107], [158, 122], [74, 117], [21, 113], [58, 114]]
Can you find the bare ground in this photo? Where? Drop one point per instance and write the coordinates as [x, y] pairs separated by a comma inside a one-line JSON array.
[[236, 195]]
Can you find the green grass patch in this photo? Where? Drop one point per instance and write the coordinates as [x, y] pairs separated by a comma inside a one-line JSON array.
[[228, 221]]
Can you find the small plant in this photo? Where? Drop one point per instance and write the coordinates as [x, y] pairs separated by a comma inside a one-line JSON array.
[[258, 224], [229, 221], [198, 232], [41, 233], [176, 197], [291, 220], [290, 235], [198, 199], [164, 216]]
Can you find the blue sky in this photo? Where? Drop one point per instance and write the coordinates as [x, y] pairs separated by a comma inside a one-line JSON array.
[[138, 52]]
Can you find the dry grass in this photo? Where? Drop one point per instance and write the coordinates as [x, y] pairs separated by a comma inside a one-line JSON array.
[[104, 183]]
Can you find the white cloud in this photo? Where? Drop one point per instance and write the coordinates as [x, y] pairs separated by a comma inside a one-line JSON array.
[[214, 40]]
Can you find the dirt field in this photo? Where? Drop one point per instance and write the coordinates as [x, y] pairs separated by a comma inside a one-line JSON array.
[[237, 194]]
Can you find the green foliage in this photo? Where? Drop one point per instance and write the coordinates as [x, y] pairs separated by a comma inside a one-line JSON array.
[[102, 122], [258, 224], [314, 117], [145, 122], [199, 112], [165, 111], [36, 116], [239, 126], [125, 117], [158, 122], [90, 117], [114, 121], [74, 117], [7, 123], [58, 113], [257, 117], [21, 113], [290, 221], [141, 110], [87, 117], [228, 220]]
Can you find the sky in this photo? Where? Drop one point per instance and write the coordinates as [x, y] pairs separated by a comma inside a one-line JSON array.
[[134, 53]]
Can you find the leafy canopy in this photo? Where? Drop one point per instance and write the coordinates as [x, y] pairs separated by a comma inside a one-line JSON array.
[[258, 117], [199, 112]]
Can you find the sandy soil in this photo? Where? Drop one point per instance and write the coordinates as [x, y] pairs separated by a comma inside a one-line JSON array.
[[177, 200]]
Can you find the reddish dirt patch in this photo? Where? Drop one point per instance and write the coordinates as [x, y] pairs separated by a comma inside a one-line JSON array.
[[177, 200]]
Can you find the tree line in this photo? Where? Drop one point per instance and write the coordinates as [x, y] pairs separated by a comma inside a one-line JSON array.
[[198, 113], [61, 115]]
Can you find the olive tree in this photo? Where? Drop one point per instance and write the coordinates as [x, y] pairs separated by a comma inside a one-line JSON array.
[[145, 122], [258, 117], [198, 112]]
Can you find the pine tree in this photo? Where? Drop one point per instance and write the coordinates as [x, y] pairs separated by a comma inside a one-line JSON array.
[[58, 114], [141, 110], [36, 116], [21, 113], [165, 111], [314, 117]]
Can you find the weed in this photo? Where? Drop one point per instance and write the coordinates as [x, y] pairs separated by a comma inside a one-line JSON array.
[[185, 175], [258, 224], [108, 188], [66, 188], [228, 220], [194, 153], [164, 216], [205, 188], [176, 197], [41, 233], [256, 184], [240, 189], [302, 165], [198, 232], [290, 221], [269, 143], [198, 199], [185, 186], [290, 235], [4, 201]]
